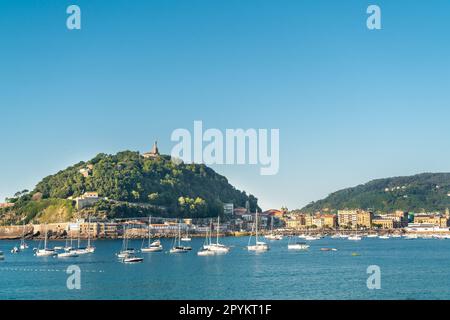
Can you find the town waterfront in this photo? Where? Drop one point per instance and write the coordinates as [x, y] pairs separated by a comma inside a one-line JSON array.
[[410, 269]]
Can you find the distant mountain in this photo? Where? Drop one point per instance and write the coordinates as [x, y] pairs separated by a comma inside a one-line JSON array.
[[134, 186], [422, 192]]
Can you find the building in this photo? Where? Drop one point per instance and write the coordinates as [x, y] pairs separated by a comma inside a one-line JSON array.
[[6, 205], [154, 153], [88, 199], [436, 220], [355, 218], [425, 227], [383, 223]]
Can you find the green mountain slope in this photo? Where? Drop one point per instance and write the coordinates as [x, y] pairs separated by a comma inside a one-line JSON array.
[[136, 186], [422, 192]]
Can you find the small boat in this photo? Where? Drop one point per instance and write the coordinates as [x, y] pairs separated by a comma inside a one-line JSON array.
[[336, 236], [132, 259], [328, 249], [58, 248], [125, 251], [23, 245], [298, 246], [354, 238], [396, 235], [273, 236], [385, 237], [312, 238], [186, 239], [68, 254], [411, 237], [179, 249], [259, 246], [372, 236], [355, 254], [15, 250]]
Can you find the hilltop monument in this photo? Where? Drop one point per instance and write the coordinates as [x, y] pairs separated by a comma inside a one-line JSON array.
[[154, 153]]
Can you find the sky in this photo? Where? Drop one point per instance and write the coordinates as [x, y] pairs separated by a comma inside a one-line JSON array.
[[351, 104]]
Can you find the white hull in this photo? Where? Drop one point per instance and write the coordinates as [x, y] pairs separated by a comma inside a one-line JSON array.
[[67, 255], [204, 253], [45, 253], [354, 238], [258, 248], [178, 250], [298, 247], [152, 249]]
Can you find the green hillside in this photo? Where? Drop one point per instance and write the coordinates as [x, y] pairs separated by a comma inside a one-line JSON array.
[[133, 186], [422, 192]]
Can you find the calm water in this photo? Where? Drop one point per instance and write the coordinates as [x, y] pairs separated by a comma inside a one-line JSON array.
[[410, 269]]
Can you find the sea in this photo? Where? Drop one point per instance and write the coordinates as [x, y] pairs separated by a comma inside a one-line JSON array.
[[402, 269]]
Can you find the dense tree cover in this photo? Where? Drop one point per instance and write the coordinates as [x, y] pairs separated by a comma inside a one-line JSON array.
[[127, 177], [422, 192]]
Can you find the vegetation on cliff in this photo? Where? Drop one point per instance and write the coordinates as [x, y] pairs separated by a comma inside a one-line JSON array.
[[131, 185], [423, 192]]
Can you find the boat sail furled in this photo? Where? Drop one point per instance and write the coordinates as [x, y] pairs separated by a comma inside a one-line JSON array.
[[259, 246]]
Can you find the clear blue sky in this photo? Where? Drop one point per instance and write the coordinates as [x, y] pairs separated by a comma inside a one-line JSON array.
[[351, 104]]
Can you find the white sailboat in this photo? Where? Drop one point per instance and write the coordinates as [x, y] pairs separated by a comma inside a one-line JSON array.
[[89, 248], [177, 247], [125, 251], [186, 238], [154, 246], [259, 246], [45, 252], [23, 244], [218, 247], [297, 245], [355, 237], [272, 236]]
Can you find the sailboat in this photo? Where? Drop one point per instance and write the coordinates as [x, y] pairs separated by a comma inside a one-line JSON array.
[[186, 238], [154, 246], [297, 245], [217, 247], [259, 246], [125, 251], [355, 237], [89, 248], [69, 252], [205, 250], [272, 236], [45, 252], [23, 244], [178, 248]]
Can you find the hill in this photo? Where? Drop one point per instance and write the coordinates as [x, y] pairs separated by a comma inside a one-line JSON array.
[[130, 185], [422, 192]]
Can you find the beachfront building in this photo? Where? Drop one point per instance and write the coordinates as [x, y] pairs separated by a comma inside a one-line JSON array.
[[434, 219]]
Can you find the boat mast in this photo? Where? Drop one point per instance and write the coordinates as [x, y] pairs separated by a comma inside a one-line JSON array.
[[45, 238], [256, 227], [89, 232], [149, 224], [218, 227]]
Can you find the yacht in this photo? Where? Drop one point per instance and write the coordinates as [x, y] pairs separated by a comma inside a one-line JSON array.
[[217, 247], [132, 259], [45, 252], [272, 236], [298, 246], [178, 248], [259, 246], [125, 251], [154, 246]]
